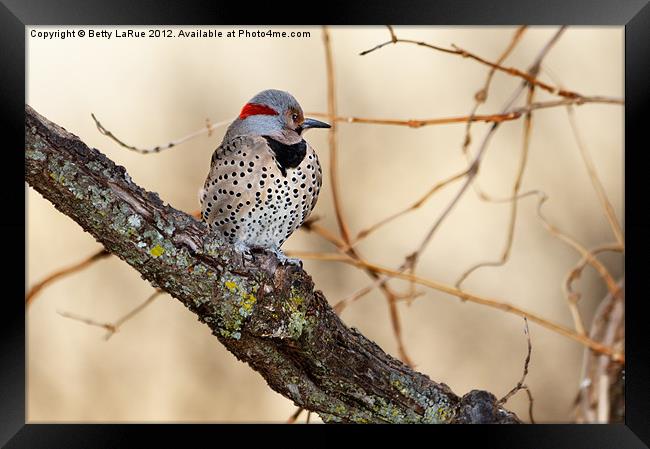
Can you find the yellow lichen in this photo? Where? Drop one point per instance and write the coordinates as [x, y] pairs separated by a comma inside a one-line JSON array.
[[230, 285], [248, 302], [443, 414], [156, 251]]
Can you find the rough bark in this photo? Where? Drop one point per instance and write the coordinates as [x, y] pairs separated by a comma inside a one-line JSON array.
[[267, 315]]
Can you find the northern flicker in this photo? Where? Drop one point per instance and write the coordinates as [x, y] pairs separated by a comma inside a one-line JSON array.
[[264, 178]]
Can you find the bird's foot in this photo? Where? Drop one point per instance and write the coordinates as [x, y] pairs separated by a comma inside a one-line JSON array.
[[284, 260]]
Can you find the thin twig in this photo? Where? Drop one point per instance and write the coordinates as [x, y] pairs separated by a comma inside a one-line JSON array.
[[416, 205], [112, 328], [411, 123], [611, 284], [396, 323], [331, 112], [465, 296], [343, 303], [553, 230], [466, 54], [572, 297], [63, 272], [156, 149], [134, 312], [616, 320], [591, 170], [505, 254], [292, 419], [474, 165], [589, 378], [108, 326], [574, 274], [393, 36], [481, 96], [593, 175], [343, 227], [513, 114], [520, 385]]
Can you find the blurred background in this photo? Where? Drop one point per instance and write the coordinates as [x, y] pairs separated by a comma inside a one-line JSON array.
[[163, 365]]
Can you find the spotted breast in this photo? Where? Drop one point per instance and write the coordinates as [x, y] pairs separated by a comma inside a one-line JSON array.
[[259, 190]]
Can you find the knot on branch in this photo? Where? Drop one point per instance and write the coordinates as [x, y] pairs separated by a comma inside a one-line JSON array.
[[482, 407]]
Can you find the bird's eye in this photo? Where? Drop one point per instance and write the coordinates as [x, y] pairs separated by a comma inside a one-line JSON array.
[[294, 117]]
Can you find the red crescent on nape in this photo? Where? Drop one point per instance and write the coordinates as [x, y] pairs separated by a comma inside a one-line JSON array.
[[255, 109]]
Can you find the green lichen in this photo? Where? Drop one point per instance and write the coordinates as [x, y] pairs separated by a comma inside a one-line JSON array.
[[435, 411], [238, 304], [153, 236], [183, 260], [438, 415], [62, 173], [35, 150], [94, 166], [98, 198], [164, 225], [297, 323], [294, 307], [341, 412], [388, 411], [340, 409], [34, 154]]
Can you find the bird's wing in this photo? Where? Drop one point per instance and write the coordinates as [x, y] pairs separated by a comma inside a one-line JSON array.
[[235, 173]]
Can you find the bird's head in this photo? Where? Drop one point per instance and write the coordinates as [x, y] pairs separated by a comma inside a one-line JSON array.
[[273, 113]]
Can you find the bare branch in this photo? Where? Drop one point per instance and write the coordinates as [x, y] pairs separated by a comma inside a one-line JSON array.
[[158, 148], [527, 77], [63, 272], [505, 254], [108, 326], [593, 176], [331, 113], [294, 416], [513, 114], [481, 96], [112, 328], [416, 205], [475, 163], [343, 227], [465, 296]]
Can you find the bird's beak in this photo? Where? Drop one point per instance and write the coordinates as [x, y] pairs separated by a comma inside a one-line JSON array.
[[313, 123]]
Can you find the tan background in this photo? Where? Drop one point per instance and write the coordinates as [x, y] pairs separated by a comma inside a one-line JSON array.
[[165, 366]]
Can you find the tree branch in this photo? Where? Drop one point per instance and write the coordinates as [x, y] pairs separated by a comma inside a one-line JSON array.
[[267, 315]]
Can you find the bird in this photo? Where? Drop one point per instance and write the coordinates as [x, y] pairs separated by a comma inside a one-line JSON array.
[[264, 178]]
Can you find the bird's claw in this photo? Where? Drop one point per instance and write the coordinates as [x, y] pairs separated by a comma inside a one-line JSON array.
[[245, 251], [284, 260]]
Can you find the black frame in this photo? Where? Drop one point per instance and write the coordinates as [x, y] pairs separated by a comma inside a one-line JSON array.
[[633, 14]]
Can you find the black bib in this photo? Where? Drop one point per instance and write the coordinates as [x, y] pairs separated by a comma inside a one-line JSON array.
[[287, 156]]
